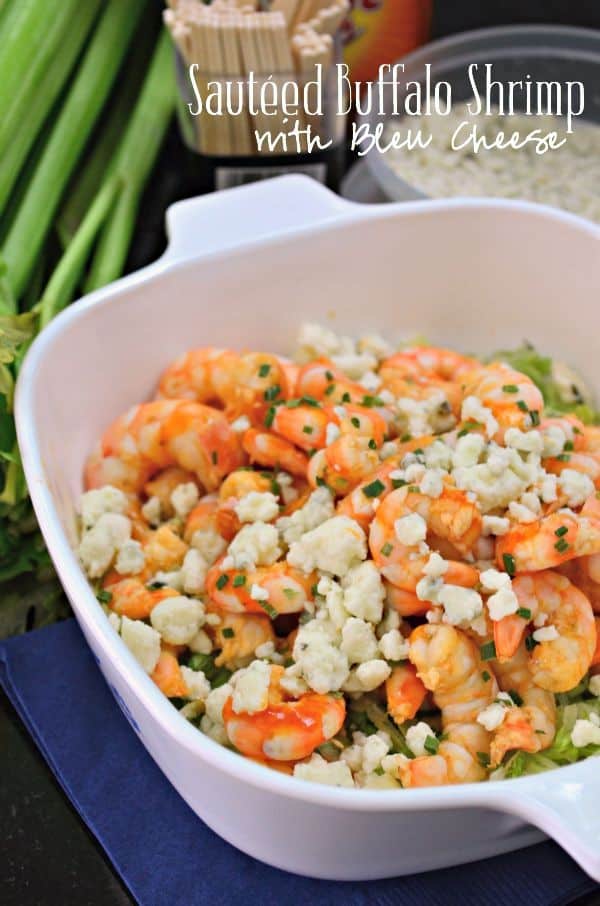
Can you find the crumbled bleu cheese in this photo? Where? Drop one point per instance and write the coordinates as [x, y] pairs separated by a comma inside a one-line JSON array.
[[594, 685], [265, 650], [585, 733], [294, 685], [331, 773], [429, 416], [376, 345], [546, 634], [504, 601], [258, 593], [333, 594], [576, 486], [193, 573], [115, 620], [177, 619], [333, 547], [492, 716], [318, 508], [201, 643], [99, 501], [212, 721], [316, 342], [495, 525], [171, 579], [143, 641], [152, 511], [371, 674], [432, 483], [416, 737], [316, 653], [355, 364], [332, 432], [554, 439], [358, 641], [461, 605], [474, 410], [394, 646], [197, 685], [521, 513], [209, 544], [130, 559], [286, 484], [257, 506], [184, 498], [526, 441], [374, 749], [364, 592], [468, 451], [254, 545], [251, 688], [241, 424], [438, 455], [411, 529], [100, 543], [548, 488], [370, 381]]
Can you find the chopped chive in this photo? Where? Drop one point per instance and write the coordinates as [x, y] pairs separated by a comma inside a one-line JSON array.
[[509, 564], [314, 590], [222, 581], [293, 404], [522, 405], [271, 393], [238, 581], [309, 401], [576, 430], [405, 438], [414, 489], [228, 633], [387, 549], [268, 609], [563, 457], [374, 489], [534, 415], [154, 586], [515, 697], [372, 444], [530, 643], [311, 453], [483, 759], [370, 402], [345, 397], [264, 370], [270, 417], [104, 596], [398, 483], [485, 676], [524, 612], [418, 452], [290, 593], [561, 546], [214, 457], [569, 446], [329, 375], [431, 745], [321, 483], [488, 651], [510, 388], [561, 531], [355, 421], [307, 429], [329, 389]]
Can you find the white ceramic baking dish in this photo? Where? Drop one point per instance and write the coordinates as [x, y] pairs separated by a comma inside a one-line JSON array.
[[244, 268]]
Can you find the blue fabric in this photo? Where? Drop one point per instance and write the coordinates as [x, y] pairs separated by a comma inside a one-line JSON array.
[[160, 848]]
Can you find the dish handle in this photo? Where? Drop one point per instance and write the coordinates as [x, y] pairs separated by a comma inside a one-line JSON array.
[[565, 804], [222, 220]]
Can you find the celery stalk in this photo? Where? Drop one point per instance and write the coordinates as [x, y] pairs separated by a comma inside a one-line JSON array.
[[33, 35], [135, 159], [74, 124], [37, 110]]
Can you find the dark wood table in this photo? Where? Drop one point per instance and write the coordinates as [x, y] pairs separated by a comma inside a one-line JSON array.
[[47, 855]]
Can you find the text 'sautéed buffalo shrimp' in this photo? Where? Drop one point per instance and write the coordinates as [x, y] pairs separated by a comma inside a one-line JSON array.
[[370, 566]]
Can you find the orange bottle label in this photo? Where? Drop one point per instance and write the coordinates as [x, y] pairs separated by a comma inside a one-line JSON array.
[[382, 31]]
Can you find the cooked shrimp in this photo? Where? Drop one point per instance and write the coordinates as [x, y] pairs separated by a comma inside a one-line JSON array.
[[152, 436], [510, 395], [168, 677], [131, 598], [361, 506], [405, 602], [240, 384], [164, 549], [285, 730], [585, 574], [531, 725], [586, 463], [422, 371], [449, 665], [342, 464], [321, 380], [435, 361], [267, 449], [451, 516], [239, 635], [404, 692], [287, 589], [572, 428], [164, 483], [558, 664], [549, 541]]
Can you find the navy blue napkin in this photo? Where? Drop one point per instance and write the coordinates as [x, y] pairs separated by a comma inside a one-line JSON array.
[[162, 850]]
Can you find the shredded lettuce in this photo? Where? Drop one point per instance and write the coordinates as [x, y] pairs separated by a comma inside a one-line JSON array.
[[562, 751], [540, 369]]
